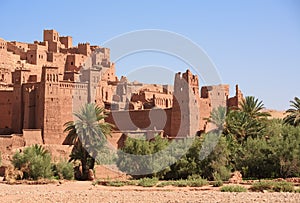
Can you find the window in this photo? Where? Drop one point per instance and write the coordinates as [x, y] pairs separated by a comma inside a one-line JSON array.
[[72, 63]]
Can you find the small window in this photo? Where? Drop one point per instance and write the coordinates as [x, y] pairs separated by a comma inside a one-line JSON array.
[[72, 63]]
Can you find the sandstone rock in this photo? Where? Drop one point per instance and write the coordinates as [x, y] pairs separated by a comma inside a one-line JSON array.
[[236, 177]]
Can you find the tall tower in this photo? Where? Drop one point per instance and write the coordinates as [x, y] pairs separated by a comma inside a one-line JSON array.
[[185, 111], [51, 110]]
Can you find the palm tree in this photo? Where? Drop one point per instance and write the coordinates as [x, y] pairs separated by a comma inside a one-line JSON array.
[[241, 126], [251, 106], [88, 135], [293, 117], [217, 117]]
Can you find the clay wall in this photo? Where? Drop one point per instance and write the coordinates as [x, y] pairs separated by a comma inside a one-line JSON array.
[[66, 41], [30, 97], [101, 56], [10, 142], [84, 48], [51, 36], [32, 136], [3, 45], [57, 60], [18, 48], [218, 94], [74, 62], [141, 119], [37, 57], [234, 102], [157, 99], [5, 74], [204, 112], [6, 98]]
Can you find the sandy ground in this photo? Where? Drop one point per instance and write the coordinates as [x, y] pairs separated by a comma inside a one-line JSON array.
[[86, 192]]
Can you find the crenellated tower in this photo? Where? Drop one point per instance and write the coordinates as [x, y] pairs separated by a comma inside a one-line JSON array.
[[185, 111]]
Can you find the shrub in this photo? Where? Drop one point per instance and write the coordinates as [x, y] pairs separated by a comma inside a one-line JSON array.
[[272, 186], [180, 183], [34, 162], [283, 187], [64, 170], [165, 183], [196, 181], [152, 165], [233, 188], [148, 182], [132, 182], [217, 183], [115, 183], [217, 180], [261, 186], [297, 190]]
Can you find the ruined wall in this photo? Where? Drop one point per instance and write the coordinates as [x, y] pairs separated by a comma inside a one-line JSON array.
[[66, 41], [234, 102]]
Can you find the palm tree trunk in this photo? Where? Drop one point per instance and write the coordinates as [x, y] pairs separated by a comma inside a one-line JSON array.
[[85, 169], [92, 164]]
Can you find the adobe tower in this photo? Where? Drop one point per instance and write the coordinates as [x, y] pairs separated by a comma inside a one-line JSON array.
[[185, 111]]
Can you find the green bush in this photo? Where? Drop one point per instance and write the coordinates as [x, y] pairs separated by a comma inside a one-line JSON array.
[[275, 155], [272, 186], [297, 190], [34, 162], [233, 188], [283, 187], [217, 183], [132, 182], [261, 186], [164, 183], [148, 182], [64, 170], [180, 183], [115, 183], [150, 164], [196, 181]]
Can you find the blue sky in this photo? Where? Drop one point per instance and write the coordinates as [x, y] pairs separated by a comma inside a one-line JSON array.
[[255, 44]]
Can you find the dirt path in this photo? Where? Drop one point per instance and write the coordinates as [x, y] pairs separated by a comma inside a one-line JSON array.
[[86, 192]]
